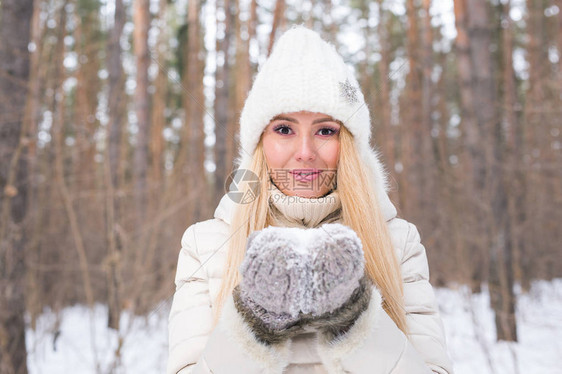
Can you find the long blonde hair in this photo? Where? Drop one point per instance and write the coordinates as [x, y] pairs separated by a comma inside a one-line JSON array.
[[360, 211]]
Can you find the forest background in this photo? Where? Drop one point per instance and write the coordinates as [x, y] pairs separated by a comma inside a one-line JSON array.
[[119, 120]]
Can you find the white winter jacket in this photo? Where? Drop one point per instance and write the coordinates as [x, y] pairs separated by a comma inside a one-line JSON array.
[[374, 345]]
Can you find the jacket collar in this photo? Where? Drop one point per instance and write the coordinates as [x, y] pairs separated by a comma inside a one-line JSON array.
[[226, 208]]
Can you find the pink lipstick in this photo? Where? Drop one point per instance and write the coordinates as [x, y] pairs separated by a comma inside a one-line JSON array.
[[305, 175]]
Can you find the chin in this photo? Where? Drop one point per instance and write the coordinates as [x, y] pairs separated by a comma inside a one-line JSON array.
[[306, 194]]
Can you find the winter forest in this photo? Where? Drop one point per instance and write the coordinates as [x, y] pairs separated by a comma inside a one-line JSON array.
[[118, 129]]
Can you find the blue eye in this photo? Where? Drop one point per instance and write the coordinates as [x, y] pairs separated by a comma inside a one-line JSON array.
[[282, 129]]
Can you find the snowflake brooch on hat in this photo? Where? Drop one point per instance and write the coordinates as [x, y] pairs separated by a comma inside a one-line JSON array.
[[348, 92]]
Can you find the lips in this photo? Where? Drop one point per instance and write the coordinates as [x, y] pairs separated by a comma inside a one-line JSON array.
[[305, 175]]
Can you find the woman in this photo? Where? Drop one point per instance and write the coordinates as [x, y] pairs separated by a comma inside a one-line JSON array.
[[316, 274]]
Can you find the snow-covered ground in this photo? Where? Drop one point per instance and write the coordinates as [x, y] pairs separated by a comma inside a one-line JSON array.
[[471, 334], [84, 345]]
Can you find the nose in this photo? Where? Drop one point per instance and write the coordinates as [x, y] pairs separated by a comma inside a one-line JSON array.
[[306, 148]]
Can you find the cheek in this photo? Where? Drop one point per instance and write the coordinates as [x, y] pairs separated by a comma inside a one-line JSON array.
[[331, 154], [275, 153]]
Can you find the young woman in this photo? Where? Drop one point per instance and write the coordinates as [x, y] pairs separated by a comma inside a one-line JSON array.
[[314, 273]]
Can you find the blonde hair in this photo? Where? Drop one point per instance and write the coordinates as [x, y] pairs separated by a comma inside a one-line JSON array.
[[360, 211]]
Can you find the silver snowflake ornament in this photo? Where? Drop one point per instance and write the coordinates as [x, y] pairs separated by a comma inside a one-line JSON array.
[[348, 92]]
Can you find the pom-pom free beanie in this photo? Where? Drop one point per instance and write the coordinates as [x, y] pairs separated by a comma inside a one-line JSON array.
[[305, 73]]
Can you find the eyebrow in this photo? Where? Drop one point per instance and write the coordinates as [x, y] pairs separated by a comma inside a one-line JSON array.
[[283, 118], [319, 120], [326, 119]]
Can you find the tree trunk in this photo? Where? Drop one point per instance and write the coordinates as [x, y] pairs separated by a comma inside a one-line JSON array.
[[141, 19], [429, 142], [278, 17], [559, 33], [365, 77], [194, 104], [111, 162], [116, 101], [88, 45], [224, 146], [37, 77], [386, 138], [15, 29], [159, 104], [535, 129], [472, 159], [514, 172], [413, 185], [243, 69], [498, 229]]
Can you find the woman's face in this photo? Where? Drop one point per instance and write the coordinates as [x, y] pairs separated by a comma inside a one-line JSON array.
[[302, 152]]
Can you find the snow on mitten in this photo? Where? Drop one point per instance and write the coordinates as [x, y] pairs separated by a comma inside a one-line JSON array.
[[275, 275], [293, 277], [340, 289], [338, 264]]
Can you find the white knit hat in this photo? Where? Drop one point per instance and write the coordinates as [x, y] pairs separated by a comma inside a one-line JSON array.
[[305, 73]]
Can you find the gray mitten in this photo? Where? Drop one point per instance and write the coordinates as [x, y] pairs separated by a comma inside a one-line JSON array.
[[293, 277], [340, 289], [338, 321], [273, 285], [338, 264]]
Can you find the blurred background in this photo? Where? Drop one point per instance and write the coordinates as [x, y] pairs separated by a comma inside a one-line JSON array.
[[118, 128]]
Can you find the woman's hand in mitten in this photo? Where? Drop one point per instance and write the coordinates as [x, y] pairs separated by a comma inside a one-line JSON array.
[[293, 277], [274, 283], [340, 289]]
